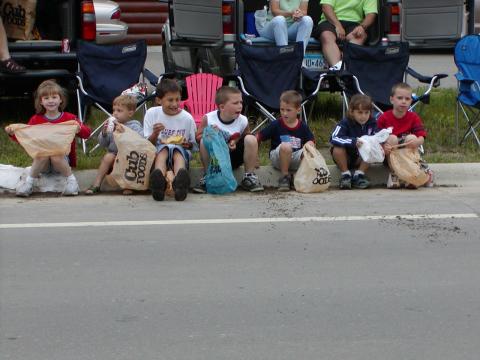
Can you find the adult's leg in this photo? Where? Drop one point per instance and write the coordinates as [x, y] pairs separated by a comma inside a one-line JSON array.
[[7, 64], [276, 29], [301, 31]]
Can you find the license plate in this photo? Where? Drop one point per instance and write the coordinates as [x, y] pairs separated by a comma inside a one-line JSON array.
[[314, 61]]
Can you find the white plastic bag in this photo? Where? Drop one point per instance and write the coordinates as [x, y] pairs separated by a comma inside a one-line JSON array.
[[371, 150], [313, 174]]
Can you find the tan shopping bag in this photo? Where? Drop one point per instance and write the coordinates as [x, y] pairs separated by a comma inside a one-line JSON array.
[[18, 18], [405, 163], [46, 139], [134, 160], [313, 174]]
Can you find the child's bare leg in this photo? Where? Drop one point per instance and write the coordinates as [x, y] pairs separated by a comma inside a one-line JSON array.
[[60, 164], [39, 164], [105, 166], [178, 162], [205, 158], [285, 157], [161, 161], [340, 157], [363, 166], [250, 154]]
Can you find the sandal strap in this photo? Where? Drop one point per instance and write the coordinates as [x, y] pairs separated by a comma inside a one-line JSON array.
[[12, 66]]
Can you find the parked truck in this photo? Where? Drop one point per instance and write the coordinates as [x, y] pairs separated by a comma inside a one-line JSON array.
[[200, 34], [50, 52]]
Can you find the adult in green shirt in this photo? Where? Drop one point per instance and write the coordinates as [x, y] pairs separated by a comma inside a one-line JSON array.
[[343, 20]]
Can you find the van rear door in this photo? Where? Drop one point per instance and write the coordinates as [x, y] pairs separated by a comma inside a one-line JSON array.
[[197, 21], [424, 20]]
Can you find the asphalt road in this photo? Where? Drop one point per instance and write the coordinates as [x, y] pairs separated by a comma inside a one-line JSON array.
[[271, 276]]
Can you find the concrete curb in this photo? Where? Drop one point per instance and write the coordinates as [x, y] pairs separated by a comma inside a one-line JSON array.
[[458, 174]]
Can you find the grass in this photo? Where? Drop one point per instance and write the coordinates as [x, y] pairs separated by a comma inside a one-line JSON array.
[[438, 117]]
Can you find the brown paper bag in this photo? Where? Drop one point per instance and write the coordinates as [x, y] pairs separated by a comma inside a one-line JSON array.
[[312, 174], [405, 163], [18, 18], [134, 160], [46, 139]]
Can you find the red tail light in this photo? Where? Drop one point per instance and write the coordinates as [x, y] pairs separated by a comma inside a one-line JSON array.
[[88, 21], [394, 19], [227, 15], [116, 15]]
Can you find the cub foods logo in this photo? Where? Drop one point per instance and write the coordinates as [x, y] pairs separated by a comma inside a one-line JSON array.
[[323, 177], [11, 14], [137, 164]]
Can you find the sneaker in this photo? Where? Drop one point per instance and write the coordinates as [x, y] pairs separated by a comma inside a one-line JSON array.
[[346, 182], [393, 181], [250, 183], [200, 188], [284, 183], [360, 181], [158, 185], [181, 184], [25, 188], [71, 188]]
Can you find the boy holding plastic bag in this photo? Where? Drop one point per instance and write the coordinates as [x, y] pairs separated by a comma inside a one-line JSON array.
[[287, 137], [408, 132], [172, 131], [123, 110], [50, 141], [346, 142], [243, 146]]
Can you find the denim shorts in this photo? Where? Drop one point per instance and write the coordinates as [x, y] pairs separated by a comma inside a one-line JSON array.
[[171, 148], [294, 161]]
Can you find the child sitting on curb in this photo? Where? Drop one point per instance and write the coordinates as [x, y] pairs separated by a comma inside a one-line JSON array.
[[288, 135], [172, 131], [123, 110], [345, 140], [243, 145], [407, 127], [50, 101]]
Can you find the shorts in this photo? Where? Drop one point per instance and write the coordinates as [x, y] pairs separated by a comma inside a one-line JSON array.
[[171, 149], [353, 158], [236, 156], [294, 161], [328, 26]]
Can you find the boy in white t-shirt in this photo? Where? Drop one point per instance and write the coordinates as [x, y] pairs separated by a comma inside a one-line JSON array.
[[172, 131], [243, 145]]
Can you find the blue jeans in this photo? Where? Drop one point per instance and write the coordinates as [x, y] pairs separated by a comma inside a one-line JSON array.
[[278, 30], [171, 148]]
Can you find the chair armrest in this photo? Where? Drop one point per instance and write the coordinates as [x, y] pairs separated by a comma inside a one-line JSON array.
[[426, 79], [461, 78]]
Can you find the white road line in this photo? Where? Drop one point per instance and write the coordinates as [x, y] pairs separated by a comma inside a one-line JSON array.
[[241, 221]]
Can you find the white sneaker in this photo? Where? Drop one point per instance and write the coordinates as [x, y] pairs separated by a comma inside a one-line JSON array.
[[25, 188], [71, 188], [393, 181]]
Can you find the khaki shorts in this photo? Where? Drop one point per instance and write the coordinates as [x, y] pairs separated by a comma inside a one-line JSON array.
[[294, 162]]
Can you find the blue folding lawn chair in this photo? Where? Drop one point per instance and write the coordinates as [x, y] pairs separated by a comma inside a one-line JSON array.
[[105, 71], [467, 59]]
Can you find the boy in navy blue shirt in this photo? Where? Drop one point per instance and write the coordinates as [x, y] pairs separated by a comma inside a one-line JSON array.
[[288, 135], [345, 141]]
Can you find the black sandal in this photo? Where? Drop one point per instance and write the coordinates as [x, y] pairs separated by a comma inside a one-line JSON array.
[[9, 66]]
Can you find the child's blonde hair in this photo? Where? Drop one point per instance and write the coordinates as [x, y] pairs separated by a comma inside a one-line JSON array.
[[359, 102], [129, 102], [49, 87], [223, 94], [291, 97], [401, 85]]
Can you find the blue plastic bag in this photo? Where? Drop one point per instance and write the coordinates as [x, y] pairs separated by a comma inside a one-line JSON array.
[[219, 178]]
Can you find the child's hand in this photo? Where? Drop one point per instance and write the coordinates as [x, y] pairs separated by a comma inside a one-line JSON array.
[[387, 148], [157, 128], [359, 143], [78, 129], [186, 145], [9, 130], [119, 127], [232, 145]]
